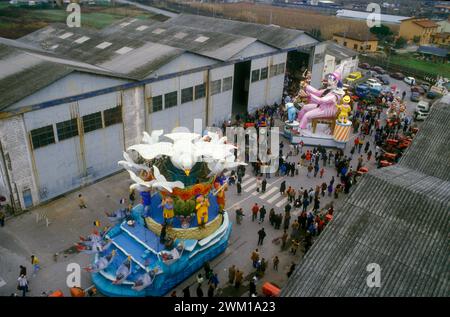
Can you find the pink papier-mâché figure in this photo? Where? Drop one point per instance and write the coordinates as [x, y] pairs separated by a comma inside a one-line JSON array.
[[322, 103]]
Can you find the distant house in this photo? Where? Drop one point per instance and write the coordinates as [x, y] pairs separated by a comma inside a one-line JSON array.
[[331, 56], [360, 42], [441, 39], [422, 28], [444, 26], [435, 54]]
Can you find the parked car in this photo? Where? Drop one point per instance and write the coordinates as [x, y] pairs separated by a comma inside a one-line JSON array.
[[399, 76], [409, 80], [425, 87], [415, 96], [372, 82], [418, 89], [423, 106], [378, 69], [433, 95], [384, 79], [353, 76], [371, 73], [421, 115], [364, 66]]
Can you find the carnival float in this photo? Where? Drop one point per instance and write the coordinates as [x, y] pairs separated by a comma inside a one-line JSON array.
[[180, 224], [322, 117]]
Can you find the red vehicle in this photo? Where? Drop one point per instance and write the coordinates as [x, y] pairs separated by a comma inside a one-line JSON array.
[[418, 89], [364, 66], [398, 76], [385, 163], [378, 69]]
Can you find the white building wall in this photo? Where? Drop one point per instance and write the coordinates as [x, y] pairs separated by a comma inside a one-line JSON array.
[[134, 112], [183, 114], [57, 166], [220, 105], [68, 164], [16, 148], [102, 147], [270, 90]]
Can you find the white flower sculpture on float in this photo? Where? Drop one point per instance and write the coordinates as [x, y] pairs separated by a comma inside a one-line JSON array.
[[185, 150]]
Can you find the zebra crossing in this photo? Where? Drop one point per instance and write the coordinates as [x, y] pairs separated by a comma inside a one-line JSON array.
[[271, 196]]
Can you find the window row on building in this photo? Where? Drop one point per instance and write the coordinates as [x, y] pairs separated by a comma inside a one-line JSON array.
[[261, 74], [68, 129], [189, 94]]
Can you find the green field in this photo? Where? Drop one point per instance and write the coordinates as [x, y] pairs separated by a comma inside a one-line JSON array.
[[407, 60], [16, 22]]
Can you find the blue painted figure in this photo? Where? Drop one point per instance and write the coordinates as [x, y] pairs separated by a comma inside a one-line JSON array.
[[292, 111]]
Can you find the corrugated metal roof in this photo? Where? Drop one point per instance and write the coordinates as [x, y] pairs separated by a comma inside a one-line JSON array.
[[338, 51], [135, 48], [397, 217], [275, 36]]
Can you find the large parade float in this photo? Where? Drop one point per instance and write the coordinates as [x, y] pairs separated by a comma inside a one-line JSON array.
[[319, 116], [180, 224]]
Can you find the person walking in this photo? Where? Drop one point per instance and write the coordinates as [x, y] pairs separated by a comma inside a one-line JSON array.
[[316, 169], [294, 246], [310, 168], [291, 270], [211, 290], [186, 292], [330, 190], [81, 202], [23, 270], [305, 203], [35, 264], [272, 217], [22, 285], [369, 155], [231, 274], [255, 257], [239, 216], [322, 171], [239, 278], [199, 290], [276, 261], [366, 148], [255, 210], [323, 188], [252, 288], [282, 187], [287, 219], [239, 188], [2, 218], [258, 184], [214, 280], [284, 238], [262, 214], [261, 236], [263, 185]]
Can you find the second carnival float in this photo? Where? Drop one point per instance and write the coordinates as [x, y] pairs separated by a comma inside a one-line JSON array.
[[319, 116], [181, 224]]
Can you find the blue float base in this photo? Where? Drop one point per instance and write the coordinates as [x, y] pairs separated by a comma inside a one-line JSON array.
[[172, 275]]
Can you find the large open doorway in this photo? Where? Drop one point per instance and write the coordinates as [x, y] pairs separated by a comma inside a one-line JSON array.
[[240, 87], [296, 64]]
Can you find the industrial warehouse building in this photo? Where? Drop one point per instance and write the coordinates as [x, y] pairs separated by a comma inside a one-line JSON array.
[[72, 99]]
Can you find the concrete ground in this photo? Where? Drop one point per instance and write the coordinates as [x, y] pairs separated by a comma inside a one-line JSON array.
[[22, 236]]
